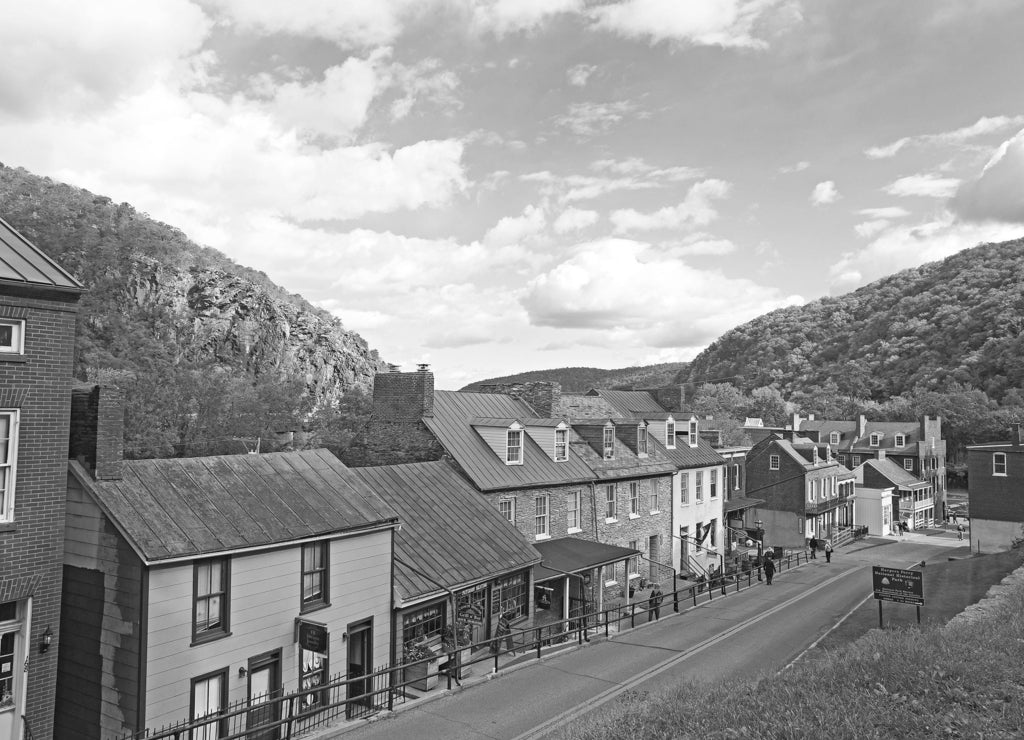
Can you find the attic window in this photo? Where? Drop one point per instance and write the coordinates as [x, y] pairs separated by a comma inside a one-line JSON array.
[[833, 438], [609, 442], [641, 440], [773, 462], [693, 432], [814, 455], [514, 447], [876, 439], [670, 433], [901, 440], [561, 445]]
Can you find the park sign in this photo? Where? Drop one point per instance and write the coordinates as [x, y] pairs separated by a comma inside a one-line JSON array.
[[896, 584]]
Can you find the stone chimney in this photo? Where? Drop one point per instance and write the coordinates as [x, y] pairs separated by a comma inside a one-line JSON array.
[[542, 395], [401, 396], [97, 430], [881, 454]]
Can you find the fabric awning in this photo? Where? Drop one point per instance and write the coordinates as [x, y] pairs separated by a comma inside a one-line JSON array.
[[741, 503], [572, 555]]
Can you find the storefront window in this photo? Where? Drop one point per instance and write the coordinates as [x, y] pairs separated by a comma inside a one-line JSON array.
[[423, 624], [312, 674], [510, 595]]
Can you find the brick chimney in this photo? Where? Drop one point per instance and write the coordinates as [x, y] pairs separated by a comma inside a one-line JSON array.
[[401, 396], [542, 395], [674, 398], [97, 430]]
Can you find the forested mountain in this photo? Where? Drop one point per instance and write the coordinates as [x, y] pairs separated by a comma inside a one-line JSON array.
[[205, 349], [958, 321], [579, 379]]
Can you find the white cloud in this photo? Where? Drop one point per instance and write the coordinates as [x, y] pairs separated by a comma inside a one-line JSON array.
[[792, 168], [998, 192], [426, 80], [824, 193], [929, 185], [591, 119], [910, 245], [696, 209], [506, 16], [618, 285], [574, 219], [701, 247], [982, 127], [579, 74], [516, 229], [884, 212], [867, 229], [726, 23]]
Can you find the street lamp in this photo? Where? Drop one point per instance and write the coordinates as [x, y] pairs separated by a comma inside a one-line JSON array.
[[759, 525]]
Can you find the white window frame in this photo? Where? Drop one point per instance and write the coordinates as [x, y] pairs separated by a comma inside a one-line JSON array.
[[634, 499], [693, 433], [611, 504], [670, 433], [561, 445], [735, 476], [17, 343], [814, 455], [908, 464], [507, 508], [514, 446], [773, 462], [608, 442], [833, 438], [875, 439], [855, 460], [999, 464], [841, 459], [572, 509], [9, 466], [698, 486], [653, 498], [713, 483], [202, 687], [684, 489], [541, 521], [641, 439], [901, 440]]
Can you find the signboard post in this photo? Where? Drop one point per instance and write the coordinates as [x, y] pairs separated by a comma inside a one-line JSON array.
[[899, 585]]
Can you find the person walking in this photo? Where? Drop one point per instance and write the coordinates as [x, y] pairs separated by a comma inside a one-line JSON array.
[[813, 544], [654, 603], [960, 531], [828, 551], [769, 569]]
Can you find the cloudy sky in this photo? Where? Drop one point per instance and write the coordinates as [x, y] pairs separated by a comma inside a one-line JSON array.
[[493, 186]]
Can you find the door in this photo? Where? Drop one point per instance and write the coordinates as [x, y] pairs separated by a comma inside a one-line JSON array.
[[264, 690], [653, 556], [360, 663]]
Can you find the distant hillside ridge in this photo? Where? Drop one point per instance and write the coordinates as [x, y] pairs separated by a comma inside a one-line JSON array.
[[157, 299], [957, 320], [580, 379]]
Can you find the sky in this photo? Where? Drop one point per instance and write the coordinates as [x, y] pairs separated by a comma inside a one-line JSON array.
[[496, 186]]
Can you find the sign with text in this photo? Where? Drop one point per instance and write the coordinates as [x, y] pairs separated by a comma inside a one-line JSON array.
[[312, 636], [896, 584]]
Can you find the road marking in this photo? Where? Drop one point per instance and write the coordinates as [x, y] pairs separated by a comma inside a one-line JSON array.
[[608, 694]]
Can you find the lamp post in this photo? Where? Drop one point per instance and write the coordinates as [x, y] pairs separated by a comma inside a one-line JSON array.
[[760, 546]]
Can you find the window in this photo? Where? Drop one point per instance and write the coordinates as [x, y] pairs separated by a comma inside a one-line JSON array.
[[901, 440], [572, 506], [10, 646], [876, 439], [210, 600], [814, 455], [810, 491], [833, 438], [773, 462], [633, 563], [654, 496], [8, 460], [209, 699], [736, 477], [684, 488], [713, 482], [693, 433], [314, 575], [856, 460], [908, 463], [510, 596], [312, 673], [609, 442], [514, 448], [540, 516], [841, 459], [999, 463], [698, 486], [641, 440], [507, 507], [634, 499], [12, 337], [609, 501], [670, 434], [561, 445]]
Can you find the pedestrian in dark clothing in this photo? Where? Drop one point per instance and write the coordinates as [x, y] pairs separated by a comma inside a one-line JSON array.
[[828, 551], [959, 531], [769, 570], [813, 544], [503, 630], [654, 603]]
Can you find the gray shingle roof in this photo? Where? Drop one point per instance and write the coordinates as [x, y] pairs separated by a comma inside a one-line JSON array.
[[449, 531], [23, 263], [630, 403], [198, 506]]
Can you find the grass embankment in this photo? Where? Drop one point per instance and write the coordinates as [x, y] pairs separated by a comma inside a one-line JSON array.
[[959, 680]]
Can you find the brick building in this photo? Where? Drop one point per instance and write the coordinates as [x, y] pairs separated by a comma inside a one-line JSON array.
[[38, 303], [996, 493]]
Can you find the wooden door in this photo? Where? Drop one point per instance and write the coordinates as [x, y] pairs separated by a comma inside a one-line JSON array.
[[264, 689]]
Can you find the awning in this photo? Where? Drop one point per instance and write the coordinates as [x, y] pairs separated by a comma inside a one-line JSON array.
[[741, 503], [572, 555]]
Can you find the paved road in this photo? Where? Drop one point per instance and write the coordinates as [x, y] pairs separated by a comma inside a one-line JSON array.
[[744, 635]]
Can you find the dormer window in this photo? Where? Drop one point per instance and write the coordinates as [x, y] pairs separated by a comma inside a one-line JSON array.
[[641, 440], [833, 438], [561, 445], [514, 447], [693, 433], [814, 455], [670, 433], [608, 444], [876, 439], [901, 440]]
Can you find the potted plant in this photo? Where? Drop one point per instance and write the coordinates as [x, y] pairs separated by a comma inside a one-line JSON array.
[[422, 669], [456, 642]]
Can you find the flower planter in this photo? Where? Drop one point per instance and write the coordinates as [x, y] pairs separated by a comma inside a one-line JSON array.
[[422, 676]]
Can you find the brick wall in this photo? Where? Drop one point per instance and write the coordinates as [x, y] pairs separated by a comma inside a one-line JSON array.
[[396, 433], [403, 396], [577, 406], [996, 497], [97, 430], [38, 384]]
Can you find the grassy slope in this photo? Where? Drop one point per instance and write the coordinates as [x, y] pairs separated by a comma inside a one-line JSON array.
[[959, 680]]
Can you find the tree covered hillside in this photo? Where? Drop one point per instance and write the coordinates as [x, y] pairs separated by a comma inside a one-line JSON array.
[[955, 322], [580, 379]]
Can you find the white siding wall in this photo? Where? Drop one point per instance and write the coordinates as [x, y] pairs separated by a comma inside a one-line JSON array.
[[496, 438], [689, 514], [265, 600], [545, 439]]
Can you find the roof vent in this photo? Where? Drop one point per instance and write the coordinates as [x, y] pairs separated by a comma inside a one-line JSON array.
[[393, 368], [423, 367]]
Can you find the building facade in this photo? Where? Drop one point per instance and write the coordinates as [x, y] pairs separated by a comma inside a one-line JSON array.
[[996, 493]]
